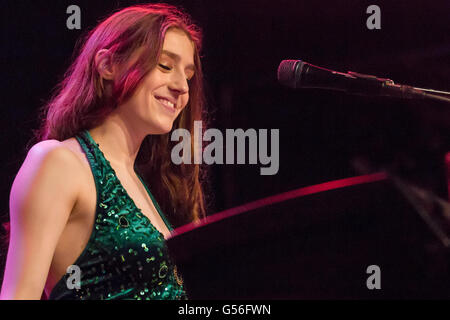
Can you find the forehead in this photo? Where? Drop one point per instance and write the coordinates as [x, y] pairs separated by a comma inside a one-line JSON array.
[[177, 42]]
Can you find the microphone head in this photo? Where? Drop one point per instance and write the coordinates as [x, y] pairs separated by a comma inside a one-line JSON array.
[[287, 71]]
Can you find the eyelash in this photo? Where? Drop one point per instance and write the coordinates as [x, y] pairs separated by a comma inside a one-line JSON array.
[[165, 67], [169, 68]]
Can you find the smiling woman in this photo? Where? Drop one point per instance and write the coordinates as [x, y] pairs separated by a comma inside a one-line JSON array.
[[164, 91], [104, 137]]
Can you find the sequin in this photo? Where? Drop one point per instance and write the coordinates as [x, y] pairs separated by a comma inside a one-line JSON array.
[[163, 271], [126, 257], [145, 247], [123, 222]]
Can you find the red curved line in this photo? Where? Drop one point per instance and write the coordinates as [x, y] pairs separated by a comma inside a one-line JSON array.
[[336, 184]]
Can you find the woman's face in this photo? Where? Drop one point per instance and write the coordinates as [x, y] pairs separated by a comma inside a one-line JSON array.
[[164, 92]]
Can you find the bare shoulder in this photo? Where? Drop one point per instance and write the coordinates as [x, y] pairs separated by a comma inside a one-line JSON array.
[[48, 162], [51, 155], [63, 154]]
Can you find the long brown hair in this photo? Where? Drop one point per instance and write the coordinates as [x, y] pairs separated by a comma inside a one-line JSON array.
[[80, 101]]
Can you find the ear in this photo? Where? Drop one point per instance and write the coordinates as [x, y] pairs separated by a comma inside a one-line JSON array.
[[104, 65]]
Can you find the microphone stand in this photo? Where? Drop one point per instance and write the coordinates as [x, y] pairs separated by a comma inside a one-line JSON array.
[[435, 94], [389, 88]]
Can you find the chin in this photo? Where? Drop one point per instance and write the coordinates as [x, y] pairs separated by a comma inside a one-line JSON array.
[[162, 129]]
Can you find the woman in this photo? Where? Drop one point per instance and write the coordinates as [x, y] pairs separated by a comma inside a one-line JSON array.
[[78, 199]]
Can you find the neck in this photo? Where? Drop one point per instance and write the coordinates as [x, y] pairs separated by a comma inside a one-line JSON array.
[[119, 141]]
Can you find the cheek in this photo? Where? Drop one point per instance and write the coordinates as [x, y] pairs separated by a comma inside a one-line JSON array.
[[185, 99]]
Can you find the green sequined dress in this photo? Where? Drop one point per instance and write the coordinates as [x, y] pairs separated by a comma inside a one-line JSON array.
[[126, 257]]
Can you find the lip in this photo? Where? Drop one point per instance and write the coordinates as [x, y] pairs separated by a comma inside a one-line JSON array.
[[171, 110]]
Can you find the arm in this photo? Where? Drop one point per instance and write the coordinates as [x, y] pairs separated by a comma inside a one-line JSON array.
[[41, 200]]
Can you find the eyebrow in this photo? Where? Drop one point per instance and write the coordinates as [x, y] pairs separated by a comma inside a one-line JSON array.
[[176, 57]]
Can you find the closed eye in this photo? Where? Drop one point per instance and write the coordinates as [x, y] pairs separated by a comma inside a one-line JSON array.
[[164, 67], [169, 68]]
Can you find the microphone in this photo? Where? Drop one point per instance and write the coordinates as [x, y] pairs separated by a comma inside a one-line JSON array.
[[299, 74]]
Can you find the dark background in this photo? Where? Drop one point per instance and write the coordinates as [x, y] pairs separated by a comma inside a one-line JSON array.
[[323, 135]]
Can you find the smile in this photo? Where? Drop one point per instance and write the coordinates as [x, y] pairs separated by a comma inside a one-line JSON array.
[[169, 105]]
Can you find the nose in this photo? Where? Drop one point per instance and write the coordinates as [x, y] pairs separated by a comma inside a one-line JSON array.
[[179, 83]]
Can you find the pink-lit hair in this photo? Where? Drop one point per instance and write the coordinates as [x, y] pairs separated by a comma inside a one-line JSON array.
[[81, 102]]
